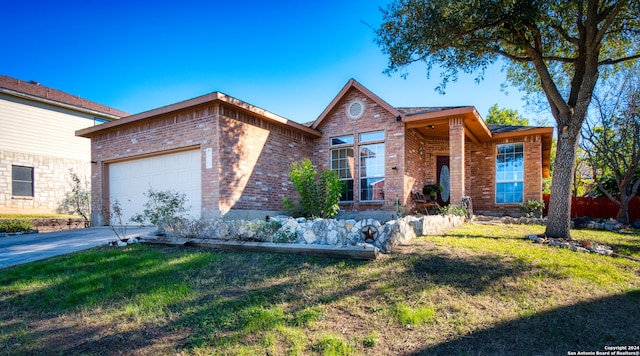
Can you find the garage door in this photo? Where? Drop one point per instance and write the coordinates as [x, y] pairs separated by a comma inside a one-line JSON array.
[[128, 181]]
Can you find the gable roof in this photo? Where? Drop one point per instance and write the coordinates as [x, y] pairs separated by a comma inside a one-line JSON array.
[[352, 83], [215, 96], [35, 91]]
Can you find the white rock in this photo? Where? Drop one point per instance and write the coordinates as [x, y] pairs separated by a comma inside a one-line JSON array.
[[309, 236], [332, 237]]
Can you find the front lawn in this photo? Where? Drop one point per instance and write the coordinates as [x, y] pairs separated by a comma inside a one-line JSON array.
[[479, 289]]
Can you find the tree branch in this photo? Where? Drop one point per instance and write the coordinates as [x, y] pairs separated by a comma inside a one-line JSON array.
[[609, 15], [610, 61]]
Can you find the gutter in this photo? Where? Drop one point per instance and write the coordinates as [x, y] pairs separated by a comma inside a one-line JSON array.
[[18, 94]]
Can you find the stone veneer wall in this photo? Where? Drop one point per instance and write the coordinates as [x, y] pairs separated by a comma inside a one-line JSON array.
[[337, 233], [51, 182]]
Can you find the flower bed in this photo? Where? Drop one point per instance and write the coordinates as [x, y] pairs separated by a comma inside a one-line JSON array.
[[324, 232]]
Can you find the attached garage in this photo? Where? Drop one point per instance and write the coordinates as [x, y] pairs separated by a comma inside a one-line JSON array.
[[230, 158], [180, 171]]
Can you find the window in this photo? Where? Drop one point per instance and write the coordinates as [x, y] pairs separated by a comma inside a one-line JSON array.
[[342, 140], [22, 181], [371, 167], [510, 173], [355, 109], [342, 163]]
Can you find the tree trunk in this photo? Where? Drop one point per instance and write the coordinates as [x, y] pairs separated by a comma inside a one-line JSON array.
[[623, 209], [559, 218]]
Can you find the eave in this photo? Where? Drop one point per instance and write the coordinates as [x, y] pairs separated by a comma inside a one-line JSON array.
[[208, 98]]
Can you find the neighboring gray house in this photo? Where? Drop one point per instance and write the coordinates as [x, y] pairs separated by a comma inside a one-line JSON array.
[[38, 145]]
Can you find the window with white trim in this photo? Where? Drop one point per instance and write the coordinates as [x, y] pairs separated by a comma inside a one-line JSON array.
[[342, 163], [510, 173], [372, 162]]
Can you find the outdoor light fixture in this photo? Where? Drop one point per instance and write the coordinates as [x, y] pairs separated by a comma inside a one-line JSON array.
[[398, 118], [430, 127]]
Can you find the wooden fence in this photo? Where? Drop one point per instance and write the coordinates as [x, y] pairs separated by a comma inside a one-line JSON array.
[[602, 208]]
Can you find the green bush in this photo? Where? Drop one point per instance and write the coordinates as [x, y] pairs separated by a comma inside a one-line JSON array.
[[15, 225], [258, 230], [161, 207], [319, 197], [453, 210], [285, 236], [532, 208]]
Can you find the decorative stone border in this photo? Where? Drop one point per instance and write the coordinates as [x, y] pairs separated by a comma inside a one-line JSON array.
[[335, 234], [573, 245]]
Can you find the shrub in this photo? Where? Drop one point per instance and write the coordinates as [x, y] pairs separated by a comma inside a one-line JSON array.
[[285, 236], [15, 225], [532, 208], [431, 189], [258, 230], [161, 207], [186, 228], [115, 220], [453, 210], [78, 199], [319, 197]]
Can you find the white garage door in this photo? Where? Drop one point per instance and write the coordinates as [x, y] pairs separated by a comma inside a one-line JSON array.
[[128, 181]]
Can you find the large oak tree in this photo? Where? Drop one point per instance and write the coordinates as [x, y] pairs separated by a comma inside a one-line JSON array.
[[558, 48]]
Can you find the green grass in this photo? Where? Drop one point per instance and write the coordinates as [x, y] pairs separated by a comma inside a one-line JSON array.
[[479, 287]]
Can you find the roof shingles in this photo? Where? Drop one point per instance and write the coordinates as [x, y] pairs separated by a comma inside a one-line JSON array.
[[36, 89]]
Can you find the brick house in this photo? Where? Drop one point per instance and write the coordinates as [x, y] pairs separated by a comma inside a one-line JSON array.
[[232, 159], [39, 146]]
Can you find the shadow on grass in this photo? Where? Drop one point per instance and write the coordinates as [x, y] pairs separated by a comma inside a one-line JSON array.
[[211, 294], [586, 326], [630, 247], [475, 273]]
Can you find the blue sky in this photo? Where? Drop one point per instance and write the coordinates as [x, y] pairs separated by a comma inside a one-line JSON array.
[[288, 57]]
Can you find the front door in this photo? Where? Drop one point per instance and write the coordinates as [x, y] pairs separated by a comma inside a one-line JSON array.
[[443, 179]]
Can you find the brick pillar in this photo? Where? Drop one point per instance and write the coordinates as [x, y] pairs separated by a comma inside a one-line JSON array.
[[456, 160]]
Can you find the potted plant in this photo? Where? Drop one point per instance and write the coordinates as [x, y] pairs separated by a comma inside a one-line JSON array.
[[430, 190]]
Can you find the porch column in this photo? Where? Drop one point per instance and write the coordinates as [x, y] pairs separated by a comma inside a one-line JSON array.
[[456, 160]]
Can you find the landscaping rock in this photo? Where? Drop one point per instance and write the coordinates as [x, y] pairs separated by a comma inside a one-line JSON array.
[[309, 236]]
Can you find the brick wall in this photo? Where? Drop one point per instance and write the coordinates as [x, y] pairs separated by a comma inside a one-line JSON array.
[[480, 160], [255, 159], [481, 173], [196, 127], [457, 160], [250, 156], [374, 118], [51, 182]]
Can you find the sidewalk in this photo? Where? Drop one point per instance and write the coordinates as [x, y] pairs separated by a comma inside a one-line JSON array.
[[15, 250]]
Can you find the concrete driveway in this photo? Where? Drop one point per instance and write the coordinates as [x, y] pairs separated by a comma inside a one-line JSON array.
[[16, 250]]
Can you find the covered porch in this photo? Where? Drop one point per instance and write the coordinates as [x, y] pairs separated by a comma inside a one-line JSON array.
[[436, 145], [455, 148]]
